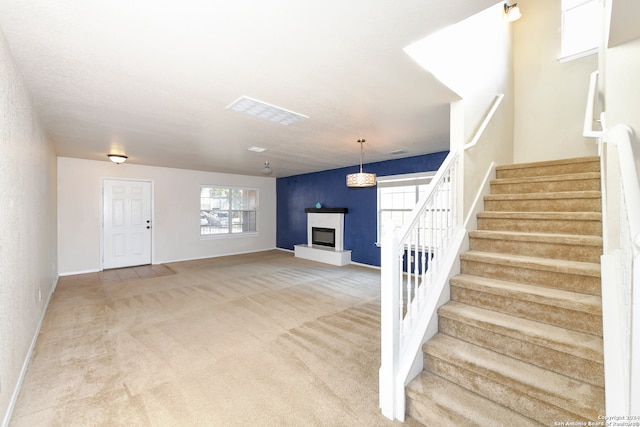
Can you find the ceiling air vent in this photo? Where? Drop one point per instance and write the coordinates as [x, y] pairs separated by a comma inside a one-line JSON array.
[[263, 110]]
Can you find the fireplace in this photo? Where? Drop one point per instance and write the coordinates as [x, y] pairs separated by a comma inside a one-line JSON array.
[[323, 236]]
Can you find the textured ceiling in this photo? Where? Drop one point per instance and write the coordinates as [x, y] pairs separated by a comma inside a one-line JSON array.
[[151, 79]]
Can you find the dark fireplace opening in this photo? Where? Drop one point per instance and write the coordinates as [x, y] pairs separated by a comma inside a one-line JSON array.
[[323, 236]]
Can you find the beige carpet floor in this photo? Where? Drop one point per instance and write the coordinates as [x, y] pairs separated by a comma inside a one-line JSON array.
[[263, 339]]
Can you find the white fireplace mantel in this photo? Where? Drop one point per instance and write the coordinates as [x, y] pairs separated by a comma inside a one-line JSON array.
[[325, 218]]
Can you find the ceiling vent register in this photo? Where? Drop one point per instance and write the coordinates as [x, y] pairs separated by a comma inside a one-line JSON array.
[[265, 111]]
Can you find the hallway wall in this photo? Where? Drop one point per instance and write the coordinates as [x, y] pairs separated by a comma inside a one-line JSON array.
[[28, 259]]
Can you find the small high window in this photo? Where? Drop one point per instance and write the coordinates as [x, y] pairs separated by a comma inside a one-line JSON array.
[[581, 28], [228, 211]]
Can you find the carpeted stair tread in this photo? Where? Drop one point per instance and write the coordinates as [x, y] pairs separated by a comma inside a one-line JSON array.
[[554, 265], [507, 381], [562, 201], [581, 223], [545, 245], [565, 300], [575, 311], [550, 167], [547, 183], [575, 276], [531, 339], [553, 337], [559, 195], [569, 239], [556, 162], [434, 401], [575, 216], [543, 178]]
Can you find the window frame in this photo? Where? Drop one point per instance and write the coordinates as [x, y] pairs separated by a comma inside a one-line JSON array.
[[230, 217], [566, 54], [411, 179]]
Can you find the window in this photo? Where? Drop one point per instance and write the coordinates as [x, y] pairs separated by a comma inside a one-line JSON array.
[[227, 211], [398, 195], [581, 22]]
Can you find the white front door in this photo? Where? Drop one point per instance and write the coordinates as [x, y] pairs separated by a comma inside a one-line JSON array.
[[127, 223]]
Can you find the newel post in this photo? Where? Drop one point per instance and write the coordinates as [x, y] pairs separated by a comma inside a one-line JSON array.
[[390, 388]]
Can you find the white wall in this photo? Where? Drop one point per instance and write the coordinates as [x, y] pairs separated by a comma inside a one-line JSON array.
[[496, 144], [622, 89], [28, 264], [176, 212], [473, 58], [550, 97]]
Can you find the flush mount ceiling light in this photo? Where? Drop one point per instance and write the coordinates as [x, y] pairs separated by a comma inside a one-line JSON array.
[[117, 158], [512, 12], [257, 149], [266, 170], [361, 179], [266, 111]]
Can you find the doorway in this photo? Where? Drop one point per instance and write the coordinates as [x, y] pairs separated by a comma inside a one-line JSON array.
[[126, 219]]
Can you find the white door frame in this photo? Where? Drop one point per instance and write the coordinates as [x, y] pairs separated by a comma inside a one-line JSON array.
[[151, 196]]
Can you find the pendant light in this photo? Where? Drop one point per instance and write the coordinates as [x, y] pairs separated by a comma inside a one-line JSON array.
[[361, 179]]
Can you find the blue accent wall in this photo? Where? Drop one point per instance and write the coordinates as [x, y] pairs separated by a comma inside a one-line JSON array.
[[295, 193]]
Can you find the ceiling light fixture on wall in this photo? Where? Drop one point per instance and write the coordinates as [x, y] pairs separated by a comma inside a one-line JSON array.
[[361, 179], [266, 170], [117, 158], [512, 12]]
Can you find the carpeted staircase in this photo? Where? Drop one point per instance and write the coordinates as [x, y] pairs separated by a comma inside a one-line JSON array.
[[520, 342]]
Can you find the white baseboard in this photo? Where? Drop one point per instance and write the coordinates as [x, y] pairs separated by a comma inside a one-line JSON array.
[[360, 264], [216, 255], [25, 364], [285, 250], [73, 273]]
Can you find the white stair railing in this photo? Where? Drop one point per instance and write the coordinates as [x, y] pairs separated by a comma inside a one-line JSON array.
[[621, 278], [412, 263], [416, 262], [620, 262]]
